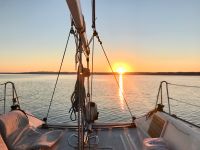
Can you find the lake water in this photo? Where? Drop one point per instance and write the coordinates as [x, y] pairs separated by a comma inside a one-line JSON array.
[[140, 91]]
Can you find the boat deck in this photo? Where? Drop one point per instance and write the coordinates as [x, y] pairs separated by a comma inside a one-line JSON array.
[[110, 138], [33, 133]]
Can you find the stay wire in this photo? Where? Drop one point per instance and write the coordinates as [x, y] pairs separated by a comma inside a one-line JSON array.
[[133, 117], [184, 85], [91, 86], [184, 102], [58, 76]]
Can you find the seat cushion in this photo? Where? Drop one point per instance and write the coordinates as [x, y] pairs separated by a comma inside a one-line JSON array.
[[19, 135], [12, 124], [33, 140], [2, 144]]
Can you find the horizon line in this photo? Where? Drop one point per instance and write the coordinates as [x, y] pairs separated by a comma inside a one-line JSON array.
[[110, 73]]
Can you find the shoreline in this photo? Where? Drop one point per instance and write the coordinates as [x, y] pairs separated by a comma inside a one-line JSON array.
[[109, 73]]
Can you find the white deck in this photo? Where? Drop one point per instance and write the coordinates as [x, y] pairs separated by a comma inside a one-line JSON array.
[[110, 138]]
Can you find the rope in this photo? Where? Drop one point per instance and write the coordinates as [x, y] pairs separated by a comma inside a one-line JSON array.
[[91, 86], [114, 74], [45, 119], [75, 99], [184, 102], [79, 90], [184, 85]]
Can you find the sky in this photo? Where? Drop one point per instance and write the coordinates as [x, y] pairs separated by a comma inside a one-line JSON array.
[[140, 35]]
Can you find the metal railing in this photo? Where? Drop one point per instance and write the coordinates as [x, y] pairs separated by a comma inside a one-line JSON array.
[[15, 100], [160, 94], [164, 85]]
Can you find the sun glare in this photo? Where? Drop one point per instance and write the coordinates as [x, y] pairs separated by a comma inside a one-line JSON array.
[[121, 68]]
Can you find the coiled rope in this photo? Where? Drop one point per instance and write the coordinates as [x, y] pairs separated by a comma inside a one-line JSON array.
[[79, 93]]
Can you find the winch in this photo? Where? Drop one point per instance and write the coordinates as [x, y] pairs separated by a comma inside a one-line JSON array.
[[91, 112]]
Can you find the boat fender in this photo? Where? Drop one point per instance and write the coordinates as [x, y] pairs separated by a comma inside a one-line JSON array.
[[91, 112]]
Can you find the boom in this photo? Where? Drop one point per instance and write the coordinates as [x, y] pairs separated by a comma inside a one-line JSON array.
[[77, 16]]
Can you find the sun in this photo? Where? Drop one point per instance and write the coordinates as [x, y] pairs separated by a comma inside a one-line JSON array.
[[121, 67], [120, 70]]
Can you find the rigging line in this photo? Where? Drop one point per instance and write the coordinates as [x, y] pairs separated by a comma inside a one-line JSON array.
[[114, 75], [76, 55], [184, 85], [45, 119], [184, 102], [91, 86], [88, 80]]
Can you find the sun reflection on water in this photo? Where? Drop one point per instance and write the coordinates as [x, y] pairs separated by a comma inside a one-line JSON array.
[[121, 91]]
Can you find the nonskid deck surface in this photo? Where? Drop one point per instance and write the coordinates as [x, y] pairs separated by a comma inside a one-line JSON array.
[[109, 138]]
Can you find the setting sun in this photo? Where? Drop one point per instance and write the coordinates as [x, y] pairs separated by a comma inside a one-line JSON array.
[[121, 68]]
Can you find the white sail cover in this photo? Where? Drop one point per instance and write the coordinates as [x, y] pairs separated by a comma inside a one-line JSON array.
[[76, 12]]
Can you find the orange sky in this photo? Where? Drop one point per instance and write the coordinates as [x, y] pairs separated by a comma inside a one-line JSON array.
[[148, 37], [129, 62]]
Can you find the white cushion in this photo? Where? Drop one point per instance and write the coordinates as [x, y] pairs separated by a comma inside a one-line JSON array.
[[19, 135], [12, 125], [2, 144]]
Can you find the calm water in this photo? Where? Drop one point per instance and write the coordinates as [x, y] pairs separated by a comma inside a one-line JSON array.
[[140, 91]]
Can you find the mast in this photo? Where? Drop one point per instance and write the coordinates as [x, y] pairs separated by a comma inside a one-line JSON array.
[[81, 104], [79, 23]]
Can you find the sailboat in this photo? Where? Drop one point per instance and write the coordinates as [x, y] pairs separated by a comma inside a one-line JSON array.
[[157, 130]]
